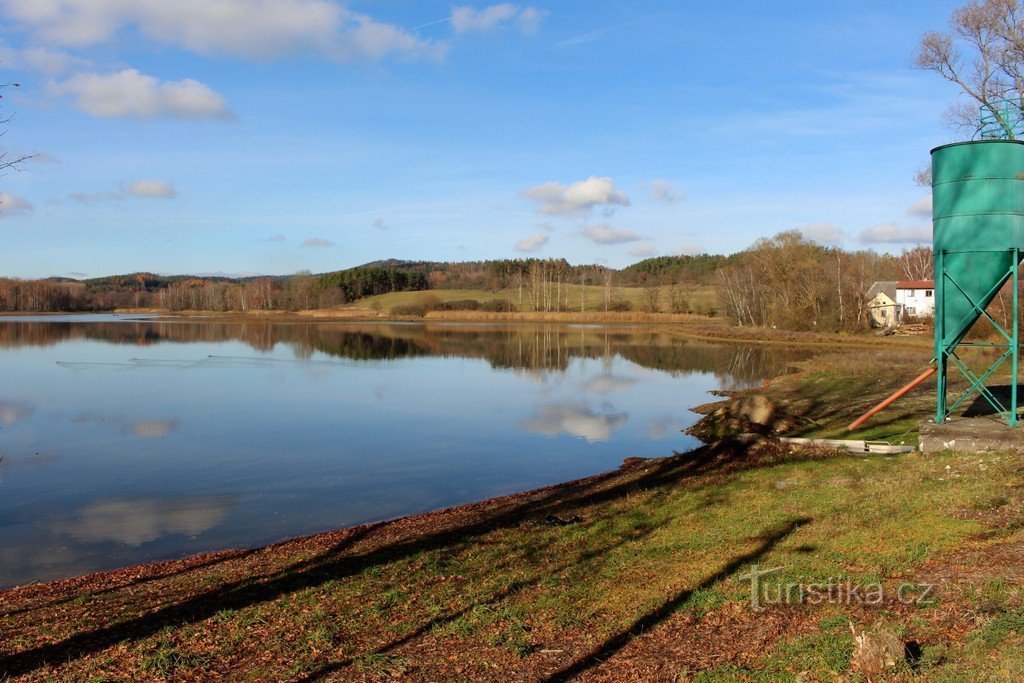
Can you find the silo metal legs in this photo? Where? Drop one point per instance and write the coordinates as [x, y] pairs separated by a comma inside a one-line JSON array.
[[946, 347]]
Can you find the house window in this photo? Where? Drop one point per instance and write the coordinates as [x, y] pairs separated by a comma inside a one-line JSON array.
[[911, 310], [927, 292]]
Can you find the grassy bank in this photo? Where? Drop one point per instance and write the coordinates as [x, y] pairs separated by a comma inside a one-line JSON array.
[[634, 575]]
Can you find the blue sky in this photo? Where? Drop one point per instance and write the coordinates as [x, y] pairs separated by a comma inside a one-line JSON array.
[[277, 135]]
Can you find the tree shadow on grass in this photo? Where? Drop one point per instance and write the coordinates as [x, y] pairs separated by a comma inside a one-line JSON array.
[[343, 559], [617, 641], [497, 597], [220, 558]]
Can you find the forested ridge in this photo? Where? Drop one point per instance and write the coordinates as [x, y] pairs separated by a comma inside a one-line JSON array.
[[785, 281]]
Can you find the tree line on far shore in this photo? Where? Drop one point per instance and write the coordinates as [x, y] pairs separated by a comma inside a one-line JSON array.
[[785, 281]]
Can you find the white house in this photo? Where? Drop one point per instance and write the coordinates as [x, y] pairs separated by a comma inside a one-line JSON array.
[[916, 298], [890, 303]]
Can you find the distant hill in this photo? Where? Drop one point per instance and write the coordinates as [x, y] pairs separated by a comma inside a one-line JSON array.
[[697, 269]]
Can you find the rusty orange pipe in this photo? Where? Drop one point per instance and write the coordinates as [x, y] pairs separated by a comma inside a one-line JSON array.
[[892, 399]]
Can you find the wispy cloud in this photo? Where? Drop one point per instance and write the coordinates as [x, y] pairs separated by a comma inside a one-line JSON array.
[[666, 191], [890, 233], [822, 233], [643, 250], [469, 20], [532, 244], [318, 242], [603, 233], [11, 205], [94, 197], [151, 187], [922, 208]]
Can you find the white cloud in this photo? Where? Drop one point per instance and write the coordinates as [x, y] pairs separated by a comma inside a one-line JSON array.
[[318, 242], [643, 250], [532, 243], [379, 224], [665, 191], [469, 20], [130, 94], [44, 60], [152, 187], [822, 233], [274, 238], [579, 198], [890, 233], [602, 233], [922, 208], [253, 29], [555, 419], [11, 205]]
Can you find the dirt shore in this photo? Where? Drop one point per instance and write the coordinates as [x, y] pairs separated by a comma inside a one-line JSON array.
[[637, 574]]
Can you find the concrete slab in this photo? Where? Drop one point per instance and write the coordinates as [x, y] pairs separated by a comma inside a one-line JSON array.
[[971, 435]]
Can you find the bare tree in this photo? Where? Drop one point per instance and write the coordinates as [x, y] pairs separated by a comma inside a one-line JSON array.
[[650, 299], [916, 263], [983, 54], [7, 160], [608, 274]]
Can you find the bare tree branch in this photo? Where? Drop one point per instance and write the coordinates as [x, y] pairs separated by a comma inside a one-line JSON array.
[[10, 161]]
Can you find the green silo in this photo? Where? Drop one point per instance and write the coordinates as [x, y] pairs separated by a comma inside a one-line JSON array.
[[978, 219]]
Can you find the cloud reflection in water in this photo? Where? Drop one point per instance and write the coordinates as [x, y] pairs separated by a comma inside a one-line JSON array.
[[134, 522], [557, 418]]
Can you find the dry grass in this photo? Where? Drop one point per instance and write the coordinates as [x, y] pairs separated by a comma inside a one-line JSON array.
[[701, 299]]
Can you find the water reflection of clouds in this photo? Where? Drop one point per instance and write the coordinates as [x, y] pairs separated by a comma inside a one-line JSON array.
[[14, 412], [605, 384], [577, 420], [144, 429], [153, 429], [660, 427], [134, 522]]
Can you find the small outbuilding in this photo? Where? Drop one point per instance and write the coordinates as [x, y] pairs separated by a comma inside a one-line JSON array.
[[883, 310]]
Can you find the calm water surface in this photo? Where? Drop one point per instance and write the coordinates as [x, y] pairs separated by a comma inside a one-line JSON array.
[[131, 440]]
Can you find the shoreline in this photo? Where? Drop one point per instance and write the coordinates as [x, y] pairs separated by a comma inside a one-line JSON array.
[[145, 571], [632, 574], [689, 326]]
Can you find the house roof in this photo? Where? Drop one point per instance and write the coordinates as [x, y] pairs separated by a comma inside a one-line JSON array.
[[887, 288], [915, 284]]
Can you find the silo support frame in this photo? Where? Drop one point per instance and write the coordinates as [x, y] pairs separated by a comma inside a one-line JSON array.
[[946, 350]]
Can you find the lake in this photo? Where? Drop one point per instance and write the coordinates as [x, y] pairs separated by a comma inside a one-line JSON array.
[[127, 440]]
